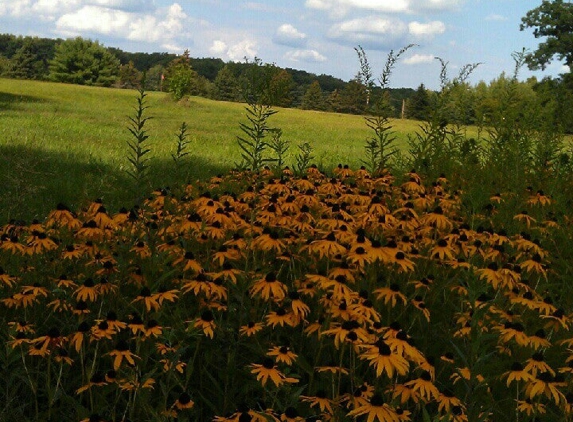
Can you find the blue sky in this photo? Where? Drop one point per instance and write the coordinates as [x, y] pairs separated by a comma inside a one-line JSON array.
[[314, 35]]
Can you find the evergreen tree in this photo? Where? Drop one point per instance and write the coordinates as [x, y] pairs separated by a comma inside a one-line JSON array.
[[280, 88], [28, 62], [226, 86], [5, 66], [334, 101], [418, 104], [353, 97], [83, 62], [313, 98]]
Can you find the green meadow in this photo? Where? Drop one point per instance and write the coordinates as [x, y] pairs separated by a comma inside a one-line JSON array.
[[68, 143]]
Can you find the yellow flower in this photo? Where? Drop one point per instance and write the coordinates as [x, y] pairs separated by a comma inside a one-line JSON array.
[[376, 410], [269, 370], [120, 353], [283, 354], [383, 360]]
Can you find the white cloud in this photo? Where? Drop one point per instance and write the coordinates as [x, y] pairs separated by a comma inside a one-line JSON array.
[[246, 48], [372, 32], [165, 26], [127, 5], [218, 48], [341, 7], [426, 29], [288, 35], [94, 19], [305, 56], [419, 58], [495, 17]]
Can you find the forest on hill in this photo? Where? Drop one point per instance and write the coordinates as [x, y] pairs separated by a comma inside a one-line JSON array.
[[87, 62]]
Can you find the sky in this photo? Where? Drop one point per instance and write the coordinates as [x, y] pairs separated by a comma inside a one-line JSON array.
[[319, 36]]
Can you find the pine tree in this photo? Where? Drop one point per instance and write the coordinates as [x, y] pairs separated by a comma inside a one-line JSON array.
[[226, 86], [418, 104], [313, 98], [84, 62]]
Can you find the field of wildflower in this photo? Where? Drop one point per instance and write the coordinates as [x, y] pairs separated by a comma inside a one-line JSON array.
[[264, 297]]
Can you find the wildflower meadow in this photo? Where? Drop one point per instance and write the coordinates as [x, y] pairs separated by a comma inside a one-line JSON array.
[[432, 285], [255, 298]]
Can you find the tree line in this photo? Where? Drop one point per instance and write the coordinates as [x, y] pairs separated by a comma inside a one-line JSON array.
[[87, 62]]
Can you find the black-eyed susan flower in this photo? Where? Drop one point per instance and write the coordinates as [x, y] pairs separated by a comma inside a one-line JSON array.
[[150, 301], [380, 356], [96, 380], [375, 410], [447, 401], [391, 295], [536, 364], [321, 401], [530, 408], [251, 328], [184, 402], [517, 373], [122, 352], [283, 354], [281, 317], [206, 323], [424, 386], [268, 370], [269, 288]]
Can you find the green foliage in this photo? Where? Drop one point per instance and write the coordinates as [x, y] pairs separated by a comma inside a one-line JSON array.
[[303, 158], [180, 77], [437, 146], [253, 143], [313, 98], [380, 147], [154, 78], [259, 92], [181, 150], [28, 62], [129, 77], [419, 103], [279, 146], [552, 20], [83, 62], [226, 85], [353, 97], [138, 145]]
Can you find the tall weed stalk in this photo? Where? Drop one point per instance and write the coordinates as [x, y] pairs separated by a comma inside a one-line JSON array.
[[380, 146], [138, 145], [439, 142], [253, 143]]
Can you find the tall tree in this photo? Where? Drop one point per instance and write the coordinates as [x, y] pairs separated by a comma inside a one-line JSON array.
[[280, 88], [353, 97], [226, 86], [84, 62], [313, 98], [419, 103], [129, 76], [181, 79], [553, 20]]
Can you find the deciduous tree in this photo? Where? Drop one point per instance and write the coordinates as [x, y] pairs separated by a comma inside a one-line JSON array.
[[552, 20]]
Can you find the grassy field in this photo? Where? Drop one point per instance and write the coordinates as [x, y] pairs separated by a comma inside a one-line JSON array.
[[68, 143]]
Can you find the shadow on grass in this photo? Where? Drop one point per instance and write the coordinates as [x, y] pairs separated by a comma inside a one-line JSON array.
[[34, 181], [10, 101]]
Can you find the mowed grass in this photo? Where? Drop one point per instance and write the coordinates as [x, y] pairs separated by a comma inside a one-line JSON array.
[[68, 144]]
